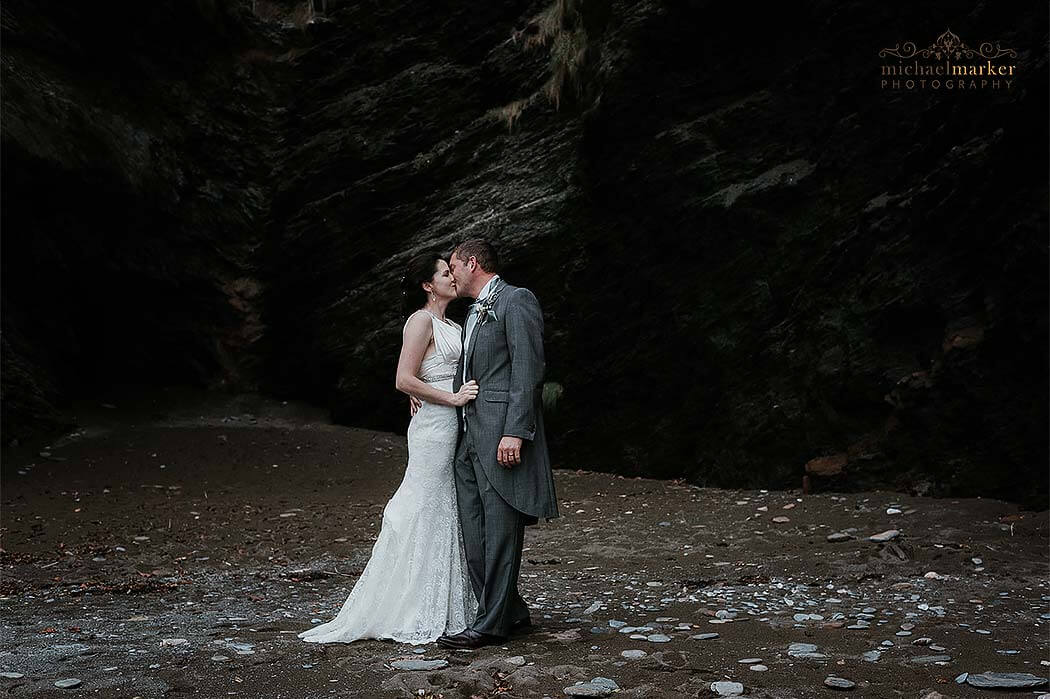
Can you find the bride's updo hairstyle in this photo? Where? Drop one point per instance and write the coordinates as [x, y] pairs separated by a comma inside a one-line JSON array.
[[419, 270]]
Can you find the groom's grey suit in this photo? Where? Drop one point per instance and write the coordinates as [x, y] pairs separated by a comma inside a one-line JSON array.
[[505, 356]]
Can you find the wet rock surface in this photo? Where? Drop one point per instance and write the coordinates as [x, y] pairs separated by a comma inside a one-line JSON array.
[[180, 557]]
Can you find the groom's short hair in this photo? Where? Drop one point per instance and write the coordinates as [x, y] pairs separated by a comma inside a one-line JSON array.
[[481, 250]]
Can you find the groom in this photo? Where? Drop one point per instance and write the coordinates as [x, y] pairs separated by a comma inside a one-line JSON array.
[[503, 473]]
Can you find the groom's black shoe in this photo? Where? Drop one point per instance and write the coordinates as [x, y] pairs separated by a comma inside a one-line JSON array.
[[469, 638]]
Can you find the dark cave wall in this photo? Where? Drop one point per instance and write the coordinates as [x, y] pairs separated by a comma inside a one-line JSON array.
[[134, 164], [749, 256]]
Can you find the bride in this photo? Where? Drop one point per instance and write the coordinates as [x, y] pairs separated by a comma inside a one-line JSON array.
[[415, 586]]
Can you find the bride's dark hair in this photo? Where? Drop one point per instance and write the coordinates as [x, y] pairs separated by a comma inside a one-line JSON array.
[[419, 270]]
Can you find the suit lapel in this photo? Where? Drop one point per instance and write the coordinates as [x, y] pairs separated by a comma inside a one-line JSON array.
[[473, 345], [500, 284]]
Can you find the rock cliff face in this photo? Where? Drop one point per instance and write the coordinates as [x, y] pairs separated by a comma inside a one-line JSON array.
[[750, 256], [135, 170]]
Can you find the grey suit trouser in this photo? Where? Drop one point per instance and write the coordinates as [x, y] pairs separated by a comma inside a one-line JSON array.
[[493, 535]]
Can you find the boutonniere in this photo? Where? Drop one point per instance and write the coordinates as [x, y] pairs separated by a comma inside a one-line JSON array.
[[484, 307]]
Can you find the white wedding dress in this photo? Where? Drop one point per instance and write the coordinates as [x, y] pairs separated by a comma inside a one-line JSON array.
[[416, 586]]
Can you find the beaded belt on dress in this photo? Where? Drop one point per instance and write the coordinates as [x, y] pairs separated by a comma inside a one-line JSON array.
[[441, 377]]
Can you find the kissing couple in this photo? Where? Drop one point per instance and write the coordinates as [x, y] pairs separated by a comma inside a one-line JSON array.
[[446, 563]]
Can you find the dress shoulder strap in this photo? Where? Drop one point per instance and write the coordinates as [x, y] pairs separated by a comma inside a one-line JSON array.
[[414, 314]]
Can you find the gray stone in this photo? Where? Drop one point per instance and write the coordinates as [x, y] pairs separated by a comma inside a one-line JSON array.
[[838, 537], [634, 654], [597, 687], [238, 647], [419, 664], [931, 659], [174, 642], [12, 675], [704, 636], [68, 683], [883, 537], [518, 660], [871, 656], [1006, 680], [838, 683], [805, 650], [586, 690], [658, 638], [796, 648], [807, 617], [727, 689]]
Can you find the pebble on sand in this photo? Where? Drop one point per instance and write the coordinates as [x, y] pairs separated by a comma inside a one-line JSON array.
[[12, 675], [174, 642], [727, 689], [883, 537], [838, 683], [419, 664], [805, 650], [597, 687], [68, 683], [931, 659], [1006, 680]]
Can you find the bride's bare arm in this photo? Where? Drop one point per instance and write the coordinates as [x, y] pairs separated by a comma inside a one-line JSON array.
[[417, 338]]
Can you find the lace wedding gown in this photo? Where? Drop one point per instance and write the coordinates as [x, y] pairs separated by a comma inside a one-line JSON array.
[[416, 586]]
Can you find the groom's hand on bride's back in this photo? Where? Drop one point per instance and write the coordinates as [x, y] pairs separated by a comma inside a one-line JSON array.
[[414, 404]]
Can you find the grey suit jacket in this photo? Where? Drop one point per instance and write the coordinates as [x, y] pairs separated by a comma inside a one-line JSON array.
[[505, 357]]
